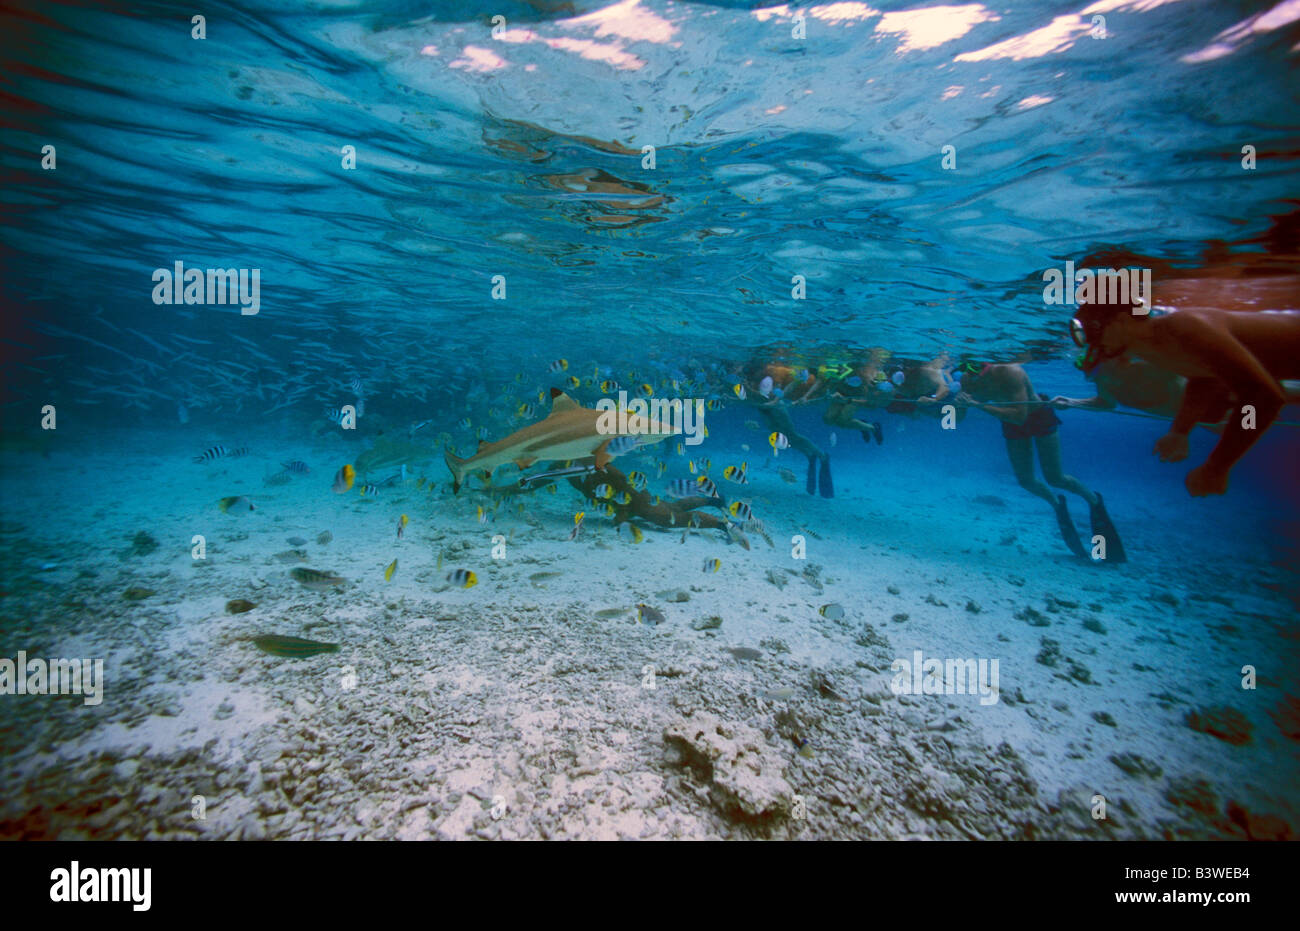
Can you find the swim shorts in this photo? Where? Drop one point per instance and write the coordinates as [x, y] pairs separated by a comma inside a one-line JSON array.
[[1042, 421]]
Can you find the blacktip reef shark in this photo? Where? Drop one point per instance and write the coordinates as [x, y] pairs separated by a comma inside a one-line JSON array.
[[571, 431]]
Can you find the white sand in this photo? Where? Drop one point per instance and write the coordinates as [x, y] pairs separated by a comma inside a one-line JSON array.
[[514, 691]]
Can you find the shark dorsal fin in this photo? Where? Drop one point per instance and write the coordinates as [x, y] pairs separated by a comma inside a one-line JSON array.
[[561, 402]]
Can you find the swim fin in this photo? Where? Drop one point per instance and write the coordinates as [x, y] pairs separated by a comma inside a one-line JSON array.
[[1068, 533], [827, 485], [1101, 526], [812, 476], [873, 430], [880, 433]]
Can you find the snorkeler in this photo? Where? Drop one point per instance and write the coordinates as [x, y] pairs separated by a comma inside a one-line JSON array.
[[1229, 358], [840, 412], [769, 400], [924, 389], [1132, 383], [854, 390], [1029, 423]]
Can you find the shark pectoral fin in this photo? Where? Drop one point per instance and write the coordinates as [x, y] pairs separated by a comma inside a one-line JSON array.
[[602, 455], [524, 461]]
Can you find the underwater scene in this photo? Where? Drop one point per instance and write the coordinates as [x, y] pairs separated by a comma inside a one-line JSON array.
[[640, 419]]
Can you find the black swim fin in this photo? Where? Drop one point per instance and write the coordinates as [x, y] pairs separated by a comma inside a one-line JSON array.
[[1068, 533], [827, 485], [880, 433], [812, 476], [1101, 526]]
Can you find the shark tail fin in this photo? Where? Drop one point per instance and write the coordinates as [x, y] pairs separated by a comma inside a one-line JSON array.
[[457, 468]]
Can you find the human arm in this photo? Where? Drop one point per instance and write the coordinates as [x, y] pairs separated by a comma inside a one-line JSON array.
[[1015, 415], [1102, 402], [1211, 346]]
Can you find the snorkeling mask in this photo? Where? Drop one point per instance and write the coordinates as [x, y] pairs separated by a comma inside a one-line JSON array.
[[1079, 333], [1086, 330]]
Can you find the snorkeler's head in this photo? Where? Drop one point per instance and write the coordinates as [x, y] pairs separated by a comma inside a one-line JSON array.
[[1090, 324], [969, 371]]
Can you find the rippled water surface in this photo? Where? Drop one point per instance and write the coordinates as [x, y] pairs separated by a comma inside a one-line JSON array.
[[522, 155]]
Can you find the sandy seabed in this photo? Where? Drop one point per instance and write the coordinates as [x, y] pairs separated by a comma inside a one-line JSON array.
[[512, 710]]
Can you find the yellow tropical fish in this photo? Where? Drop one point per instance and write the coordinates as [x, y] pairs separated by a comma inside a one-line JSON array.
[[343, 479], [388, 573], [462, 578], [738, 474]]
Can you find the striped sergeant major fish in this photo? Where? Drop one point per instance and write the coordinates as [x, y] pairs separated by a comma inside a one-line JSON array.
[[371, 489], [620, 445], [213, 453]]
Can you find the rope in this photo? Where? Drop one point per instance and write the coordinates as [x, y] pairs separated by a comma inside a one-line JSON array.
[[1111, 410]]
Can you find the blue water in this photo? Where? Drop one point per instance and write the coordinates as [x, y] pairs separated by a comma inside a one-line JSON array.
[[442, 214]]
